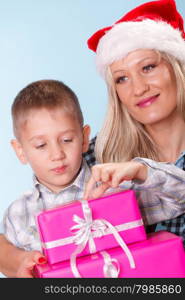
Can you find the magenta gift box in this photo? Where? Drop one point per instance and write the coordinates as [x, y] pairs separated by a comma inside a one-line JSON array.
[[160, 256], [120, 209]]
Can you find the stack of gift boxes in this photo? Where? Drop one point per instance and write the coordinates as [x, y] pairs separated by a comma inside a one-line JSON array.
[[106, 237]]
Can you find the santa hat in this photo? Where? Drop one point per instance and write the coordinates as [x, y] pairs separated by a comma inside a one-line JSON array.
[[153, 25]]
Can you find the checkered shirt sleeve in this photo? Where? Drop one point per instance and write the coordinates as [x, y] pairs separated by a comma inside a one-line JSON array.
[[89, 156]]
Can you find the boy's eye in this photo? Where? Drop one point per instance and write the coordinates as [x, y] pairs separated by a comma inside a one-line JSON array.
[[67, 140], [40, 146], [121, 79], [149, 67]]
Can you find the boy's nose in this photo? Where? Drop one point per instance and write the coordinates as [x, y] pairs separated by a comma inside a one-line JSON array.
[[57, 153]]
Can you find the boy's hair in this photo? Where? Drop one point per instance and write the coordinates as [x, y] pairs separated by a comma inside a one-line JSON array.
[[49, 94]]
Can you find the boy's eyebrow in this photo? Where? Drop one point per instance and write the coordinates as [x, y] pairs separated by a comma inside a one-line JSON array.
[[42, 135]]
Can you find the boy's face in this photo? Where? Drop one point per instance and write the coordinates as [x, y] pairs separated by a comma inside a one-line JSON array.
[[52, 142]]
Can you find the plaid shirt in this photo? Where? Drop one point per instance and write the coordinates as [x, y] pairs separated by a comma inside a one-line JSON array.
[[174, 224], [19, 220], [160, 197]]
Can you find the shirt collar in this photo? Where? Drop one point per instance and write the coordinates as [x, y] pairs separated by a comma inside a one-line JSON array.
[[79, 182], [83, 176], [180, 158]]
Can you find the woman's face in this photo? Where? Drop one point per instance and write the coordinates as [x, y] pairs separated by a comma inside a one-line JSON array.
[[146, 85]]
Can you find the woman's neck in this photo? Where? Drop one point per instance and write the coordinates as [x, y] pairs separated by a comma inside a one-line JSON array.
[[169, 136]]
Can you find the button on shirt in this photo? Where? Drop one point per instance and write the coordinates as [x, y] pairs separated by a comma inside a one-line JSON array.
[[20, 218]]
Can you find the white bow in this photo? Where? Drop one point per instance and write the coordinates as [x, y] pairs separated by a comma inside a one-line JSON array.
[[84, 230]]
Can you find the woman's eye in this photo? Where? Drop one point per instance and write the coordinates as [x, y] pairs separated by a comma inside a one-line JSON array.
[[121, 79], [149, 67]]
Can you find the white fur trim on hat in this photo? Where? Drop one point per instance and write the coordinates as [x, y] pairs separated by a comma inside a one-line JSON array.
[[126, 37]]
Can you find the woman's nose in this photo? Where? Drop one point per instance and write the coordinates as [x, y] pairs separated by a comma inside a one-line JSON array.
[[139, 85]]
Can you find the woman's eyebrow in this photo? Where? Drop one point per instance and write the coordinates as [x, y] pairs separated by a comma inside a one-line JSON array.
[[138, 62]]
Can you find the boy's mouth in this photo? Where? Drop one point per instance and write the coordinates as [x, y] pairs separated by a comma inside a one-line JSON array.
[[59, 170]]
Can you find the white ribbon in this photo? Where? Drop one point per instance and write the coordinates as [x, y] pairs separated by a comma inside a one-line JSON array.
[[83, 235], [111, 267], [70, 239]]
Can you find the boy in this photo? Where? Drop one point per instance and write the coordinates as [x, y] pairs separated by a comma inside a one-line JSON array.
[[51, 138]]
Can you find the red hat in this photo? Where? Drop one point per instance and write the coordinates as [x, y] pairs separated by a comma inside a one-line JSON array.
[[153, 25]]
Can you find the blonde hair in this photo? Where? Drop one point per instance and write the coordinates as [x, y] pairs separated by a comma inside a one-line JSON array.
[[122, 138]]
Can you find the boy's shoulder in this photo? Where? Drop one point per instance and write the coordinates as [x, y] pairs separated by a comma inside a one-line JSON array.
[[29, 195]]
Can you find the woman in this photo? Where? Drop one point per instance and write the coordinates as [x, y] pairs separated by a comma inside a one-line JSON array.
[[142, 59]]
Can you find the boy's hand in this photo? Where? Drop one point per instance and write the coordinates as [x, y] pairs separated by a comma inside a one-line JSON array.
[[29, 260], [110, 175]]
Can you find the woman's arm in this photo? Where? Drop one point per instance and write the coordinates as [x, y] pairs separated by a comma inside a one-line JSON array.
[[16, 262], [162, 195], [110, 175], [10, 257], [160, 187]]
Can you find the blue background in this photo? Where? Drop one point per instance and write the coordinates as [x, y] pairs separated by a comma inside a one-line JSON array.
[[44, 39]]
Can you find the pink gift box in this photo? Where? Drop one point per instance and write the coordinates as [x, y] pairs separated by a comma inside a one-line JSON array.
[[160, 256], [120, 209]]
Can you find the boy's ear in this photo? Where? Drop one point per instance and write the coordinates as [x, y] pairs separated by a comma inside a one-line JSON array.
[[19, 151], [86, 134]]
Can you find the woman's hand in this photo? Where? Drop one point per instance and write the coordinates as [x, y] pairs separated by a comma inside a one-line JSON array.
[[110, 175], [29, 260]]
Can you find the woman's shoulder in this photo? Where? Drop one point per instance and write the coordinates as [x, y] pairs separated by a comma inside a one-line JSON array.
[[89, 156], [92, 143]]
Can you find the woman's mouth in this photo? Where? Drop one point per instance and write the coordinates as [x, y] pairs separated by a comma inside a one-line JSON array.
[[147, 101]]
